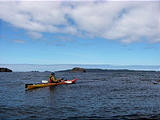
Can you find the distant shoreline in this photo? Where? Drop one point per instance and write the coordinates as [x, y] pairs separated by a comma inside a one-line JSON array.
[[110, 70], [94, 70], [61, 67]]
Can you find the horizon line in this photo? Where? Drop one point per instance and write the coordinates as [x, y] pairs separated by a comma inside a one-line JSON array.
[[79, 64]]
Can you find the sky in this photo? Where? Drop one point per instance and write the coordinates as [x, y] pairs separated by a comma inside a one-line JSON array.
[[80, 32]]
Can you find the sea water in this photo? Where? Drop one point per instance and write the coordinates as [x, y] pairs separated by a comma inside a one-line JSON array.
[[96, 95]]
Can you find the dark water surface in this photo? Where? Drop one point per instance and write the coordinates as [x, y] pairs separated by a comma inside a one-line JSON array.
[[96, 95]]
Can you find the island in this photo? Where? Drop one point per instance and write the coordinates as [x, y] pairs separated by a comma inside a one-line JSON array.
[[5, 70]]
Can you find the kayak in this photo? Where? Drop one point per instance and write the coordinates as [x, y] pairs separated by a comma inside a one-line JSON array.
[[39, 85]]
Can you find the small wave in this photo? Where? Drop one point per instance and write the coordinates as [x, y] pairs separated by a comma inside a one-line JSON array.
[[86, 118], [137, 117]]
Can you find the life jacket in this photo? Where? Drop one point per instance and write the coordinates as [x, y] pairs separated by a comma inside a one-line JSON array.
[[49, 80], [52, 79]]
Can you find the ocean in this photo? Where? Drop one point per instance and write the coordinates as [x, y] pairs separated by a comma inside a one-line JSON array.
[[97, 95]]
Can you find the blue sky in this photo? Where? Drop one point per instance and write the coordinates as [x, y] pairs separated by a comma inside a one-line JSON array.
[[117, 33]]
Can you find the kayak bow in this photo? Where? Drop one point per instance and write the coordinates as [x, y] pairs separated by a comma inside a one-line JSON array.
[[39, 85]]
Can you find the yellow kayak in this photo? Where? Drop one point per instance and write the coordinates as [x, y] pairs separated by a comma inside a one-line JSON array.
[[39, 85]]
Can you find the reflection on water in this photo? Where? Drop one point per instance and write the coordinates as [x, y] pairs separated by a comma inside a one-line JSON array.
[[96, 95], [52, 95]]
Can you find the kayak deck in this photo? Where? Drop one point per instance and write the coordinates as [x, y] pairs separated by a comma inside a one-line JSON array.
[[39, 85]]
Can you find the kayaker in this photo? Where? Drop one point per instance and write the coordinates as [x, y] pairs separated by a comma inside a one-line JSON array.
[[52, 78]]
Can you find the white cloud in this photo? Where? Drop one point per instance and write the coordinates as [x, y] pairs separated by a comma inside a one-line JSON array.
[[141, 21], [19, 41], [124, 21], [35, 35]]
